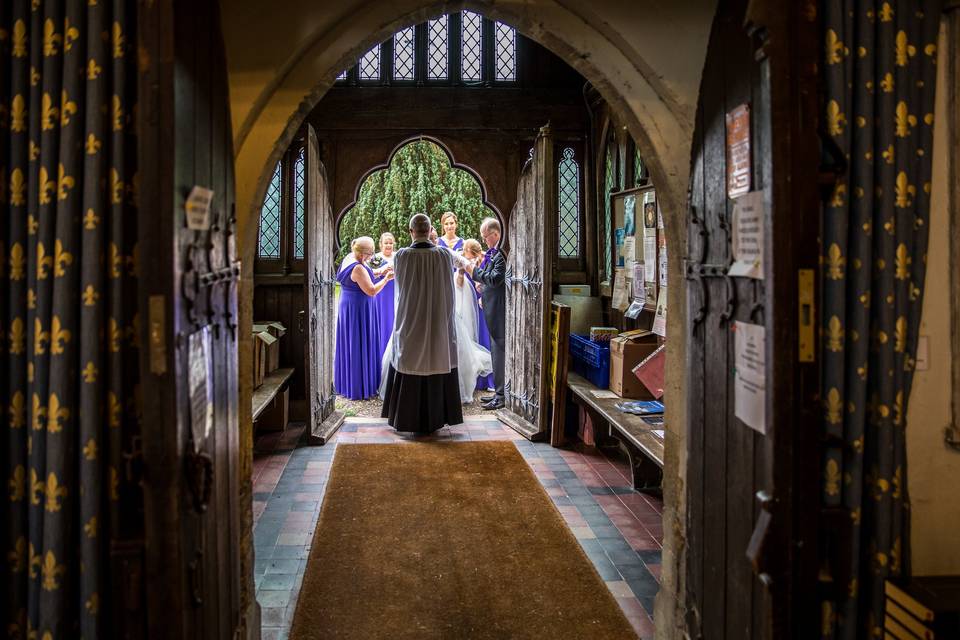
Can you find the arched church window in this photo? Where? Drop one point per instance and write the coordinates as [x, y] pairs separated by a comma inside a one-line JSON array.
[[299, 198], [568, 175], [471, 47], [369, 66], [437, 48], [269, 245], [506, 52], [404, 54]]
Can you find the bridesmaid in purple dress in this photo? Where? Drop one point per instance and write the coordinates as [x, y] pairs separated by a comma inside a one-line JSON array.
[[356, 372], [473, 251], [385, 302], [449, 239]]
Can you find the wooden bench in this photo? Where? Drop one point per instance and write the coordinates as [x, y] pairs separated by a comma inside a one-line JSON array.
[[263, 395], [643, 447]]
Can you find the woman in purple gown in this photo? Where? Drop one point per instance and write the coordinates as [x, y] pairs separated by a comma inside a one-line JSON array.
[[449, 239], [473, 251], [356, 372], [385, 300]]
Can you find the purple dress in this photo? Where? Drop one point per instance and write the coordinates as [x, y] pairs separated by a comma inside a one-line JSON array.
[[457, 246], [385, 304], [483, 338], [356, 371]]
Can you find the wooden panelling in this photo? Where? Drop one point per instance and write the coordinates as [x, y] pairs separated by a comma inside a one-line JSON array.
[[284, 302]]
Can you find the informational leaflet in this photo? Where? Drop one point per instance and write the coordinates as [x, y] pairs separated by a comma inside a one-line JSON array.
[[748, 236], [663, 265], [197, 207], [749, 397], [649, 258], [660, 319], [621, 295], [629, 215], [738, 151], [638, 290], [629, 250]]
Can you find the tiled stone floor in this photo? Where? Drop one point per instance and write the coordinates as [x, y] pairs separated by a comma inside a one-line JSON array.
[[619, 529]]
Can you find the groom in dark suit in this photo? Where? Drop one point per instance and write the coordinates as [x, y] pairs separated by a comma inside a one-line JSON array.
[[490, 274]]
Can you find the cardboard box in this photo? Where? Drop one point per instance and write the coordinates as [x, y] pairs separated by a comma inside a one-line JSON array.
[[277, 414], [603, 334], [627, 351]]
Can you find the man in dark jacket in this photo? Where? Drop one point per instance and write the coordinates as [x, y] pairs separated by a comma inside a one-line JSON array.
[[490, 274]]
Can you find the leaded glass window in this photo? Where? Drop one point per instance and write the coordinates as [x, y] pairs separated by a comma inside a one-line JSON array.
[[608, 186], [506, 52], [639, 170], [568, 174], [299, 193], [403, 54], [269, 245], [437, 51], [343, 75], [471, 47], [370, 64]]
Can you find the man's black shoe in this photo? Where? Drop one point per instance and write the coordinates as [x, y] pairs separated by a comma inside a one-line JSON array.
[[496, 404]]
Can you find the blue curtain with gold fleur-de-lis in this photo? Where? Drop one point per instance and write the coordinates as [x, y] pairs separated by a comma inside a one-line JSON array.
[[879, 67], [68, 312]]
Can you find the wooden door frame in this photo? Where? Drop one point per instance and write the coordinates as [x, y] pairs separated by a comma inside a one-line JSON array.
[[788, 39]]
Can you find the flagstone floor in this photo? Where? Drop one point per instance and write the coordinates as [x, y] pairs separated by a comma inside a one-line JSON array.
[[619, 529]]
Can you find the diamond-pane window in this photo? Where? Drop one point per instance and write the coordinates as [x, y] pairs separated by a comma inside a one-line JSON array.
[[471, 47], [506, 51], [609, 182], [403, 54], [370, 64], [269, 245], [343, 75], [639, 170], [299, 193], [568, 175], [437, 37]]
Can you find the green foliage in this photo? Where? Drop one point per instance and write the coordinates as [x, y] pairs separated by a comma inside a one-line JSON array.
[[419, 179]]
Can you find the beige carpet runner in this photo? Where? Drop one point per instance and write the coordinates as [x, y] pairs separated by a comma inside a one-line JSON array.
[[447, 540]]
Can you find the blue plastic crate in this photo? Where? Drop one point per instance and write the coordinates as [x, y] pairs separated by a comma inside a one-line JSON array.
[[591, 360]]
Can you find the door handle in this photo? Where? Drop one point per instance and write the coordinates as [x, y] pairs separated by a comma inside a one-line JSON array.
[[757, 552]]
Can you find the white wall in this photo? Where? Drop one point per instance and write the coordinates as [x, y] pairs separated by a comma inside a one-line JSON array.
[[933, 470]]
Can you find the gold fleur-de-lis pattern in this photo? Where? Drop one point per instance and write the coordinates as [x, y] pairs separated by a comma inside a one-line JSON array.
[[879, 70], [67, 162]]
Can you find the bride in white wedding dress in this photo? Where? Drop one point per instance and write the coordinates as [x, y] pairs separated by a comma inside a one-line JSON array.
[[473, 360]]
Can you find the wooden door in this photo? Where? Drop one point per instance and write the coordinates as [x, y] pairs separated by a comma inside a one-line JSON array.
[[319, 286], [751, 557], [529, 287], [188, 312]]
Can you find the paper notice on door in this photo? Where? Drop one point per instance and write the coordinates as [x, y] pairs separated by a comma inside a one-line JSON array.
[[748, 236], [649, 258], [200, 379], [750, 397], [198, 208]]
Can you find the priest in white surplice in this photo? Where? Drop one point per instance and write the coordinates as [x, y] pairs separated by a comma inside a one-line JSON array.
[[422, 389]]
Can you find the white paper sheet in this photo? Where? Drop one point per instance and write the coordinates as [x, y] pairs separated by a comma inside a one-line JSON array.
[[748, 236], [660, 319], [649, 258], [750, 396], [638, 290], [663, 266], [621, 295]]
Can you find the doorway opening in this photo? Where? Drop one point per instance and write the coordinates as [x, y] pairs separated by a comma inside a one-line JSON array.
[[550, 150]]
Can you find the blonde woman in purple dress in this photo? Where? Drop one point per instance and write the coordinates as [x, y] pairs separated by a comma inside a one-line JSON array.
[[449, 239]]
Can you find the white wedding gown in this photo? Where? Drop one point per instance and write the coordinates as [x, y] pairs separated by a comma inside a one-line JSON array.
[[473, 360]]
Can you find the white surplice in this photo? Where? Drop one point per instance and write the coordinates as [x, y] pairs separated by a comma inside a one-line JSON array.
[[424, 338]]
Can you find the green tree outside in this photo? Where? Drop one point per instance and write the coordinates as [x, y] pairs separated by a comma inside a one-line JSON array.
[[419, 179]]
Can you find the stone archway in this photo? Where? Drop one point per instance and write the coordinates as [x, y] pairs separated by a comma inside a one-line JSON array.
[[646, 65]]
